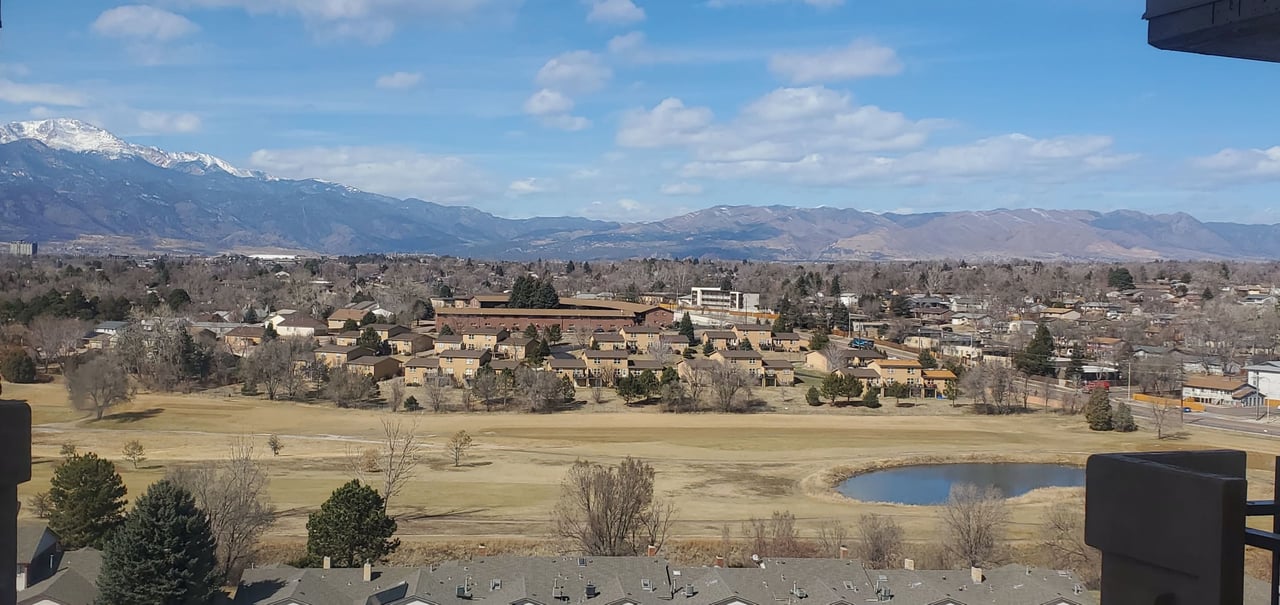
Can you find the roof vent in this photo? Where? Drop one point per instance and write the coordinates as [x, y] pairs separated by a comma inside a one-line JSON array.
[[495, 584], [646, 584], [798, 592], [464, 591], [591, 591], [582, 561], [689, 592]]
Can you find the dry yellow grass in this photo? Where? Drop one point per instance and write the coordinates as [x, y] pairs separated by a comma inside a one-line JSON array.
[[720, 469]]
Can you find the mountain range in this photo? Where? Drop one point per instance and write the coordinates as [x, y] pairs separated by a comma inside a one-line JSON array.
[[80, 187]]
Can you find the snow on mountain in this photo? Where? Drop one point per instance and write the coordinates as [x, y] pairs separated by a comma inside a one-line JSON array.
[[81, 137]]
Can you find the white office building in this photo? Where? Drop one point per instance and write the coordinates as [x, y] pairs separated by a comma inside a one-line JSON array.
[[715, 298]]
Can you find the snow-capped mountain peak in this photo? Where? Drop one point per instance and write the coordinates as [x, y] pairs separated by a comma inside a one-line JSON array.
[[81, 137]]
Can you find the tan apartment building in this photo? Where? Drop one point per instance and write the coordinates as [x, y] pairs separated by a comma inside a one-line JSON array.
[[787, 342], [936, 381], [905, 371], [636, 367], [386, 331], [822, 362], [748, 362], [376, 367], [419, 371], [642, 338], [339, 317], [336, 356], [760, 336], [513, 347], [720, 339], [696, 371], [448, 342], [572, 368], [347, 339], [300, 325], [462, 365], [483, 338], [410, 343], [240, 340], [605, 366], [778, 373], [676, 343], [608, 341]]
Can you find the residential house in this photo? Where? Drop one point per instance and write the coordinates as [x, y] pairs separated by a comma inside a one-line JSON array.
[[1103, 348], [1022, 326], [696, 371], [339, 318], [905, 371], [828, 361], [608, 341], [410, 343], [278, 316], [483, 338], [1059, 314], [651, 580], [969, 304], [244, 338], [37, 546], [336, 356], [643, 338], [573, 368], [1221, 390], [100, 342], [778, 373], [421, 371], [1213, 365], [747, 362], [462, 365], [787, 342], [1259, 300], [113, 328], [933, 315], [72, 580], [868, 376], [760, 336], [862, 357], [676, 343], [302, 326], [386, 331], [636, 367], [1266, 377], [513, 347], [720, 339], [604, 367], [981, 321], [504, 365], [935, 382], [375, 366], [446, 342], [347, 339]]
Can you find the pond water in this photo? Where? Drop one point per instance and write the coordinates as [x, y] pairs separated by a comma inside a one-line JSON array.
[[931, 484]]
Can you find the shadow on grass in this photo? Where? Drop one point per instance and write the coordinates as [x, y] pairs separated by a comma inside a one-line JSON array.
[[421, 515], [126, 417]]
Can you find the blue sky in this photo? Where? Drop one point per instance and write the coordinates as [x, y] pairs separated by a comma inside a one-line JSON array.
[[643, 109]]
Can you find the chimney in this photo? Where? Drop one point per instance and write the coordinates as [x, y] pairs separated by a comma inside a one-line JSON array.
[[327, 564], [975, 575], [719, 562], [652, 551], [909, 564], [368, 572], [844, 552]]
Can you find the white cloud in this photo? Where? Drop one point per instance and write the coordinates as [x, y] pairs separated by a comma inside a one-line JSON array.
[[626, 43], [21, 93], [164, 122], [529, 186], [41, 112], [1241, 164], [566, 122], [614, 11], [141, 22], [371, 21], [625, 210], [399, 80], [860, 59], [386, 170], [547, 102], [574, 72], [813, 3], [668, 124], [682, 189]]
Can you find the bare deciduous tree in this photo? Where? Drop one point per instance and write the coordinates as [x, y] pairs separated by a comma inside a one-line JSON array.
[[540, 390], [1166, 418], [832, 535], [99, 384], [776, 536], [726, 383], [610, 510], [400, 455], [458, 445], [134, 452], [56, 338], [486, 387], [879, 541], [974, 520], [233, 492], [597, 394], [436, 394], [1062, 541], [395, 392], [346, 388]]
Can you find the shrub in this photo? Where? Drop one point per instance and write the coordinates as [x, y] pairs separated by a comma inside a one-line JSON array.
[[18, 367]]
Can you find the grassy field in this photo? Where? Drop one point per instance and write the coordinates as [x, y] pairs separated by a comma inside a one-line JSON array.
[[720, 469]]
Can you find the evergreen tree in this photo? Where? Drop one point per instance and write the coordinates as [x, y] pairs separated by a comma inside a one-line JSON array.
[[164, 554], [87, 497], [851, 387], [1207, 294], [708, 349], [369, 339], [1098, 410], [927, 360], [178, 298], [586, 267], [553, 333], [1075, 369], [840, 316], [669, 376], [833, 289], [544, 350], [1120, 279], [351, 528], [568, 267], [648, 384], [871, 398], [546, 296], [269, 333], [1036, 358], [250, 316], [369, 319], [17, 367], [686, 328], [1122, 418], [811, 396], [820, 339], [779, 325], [350, 326], [832, 387], [531, 332], [567, 390], [446, 331], [745, 345], [900, 306]]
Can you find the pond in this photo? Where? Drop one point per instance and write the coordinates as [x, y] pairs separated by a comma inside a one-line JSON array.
[[930, 484]]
